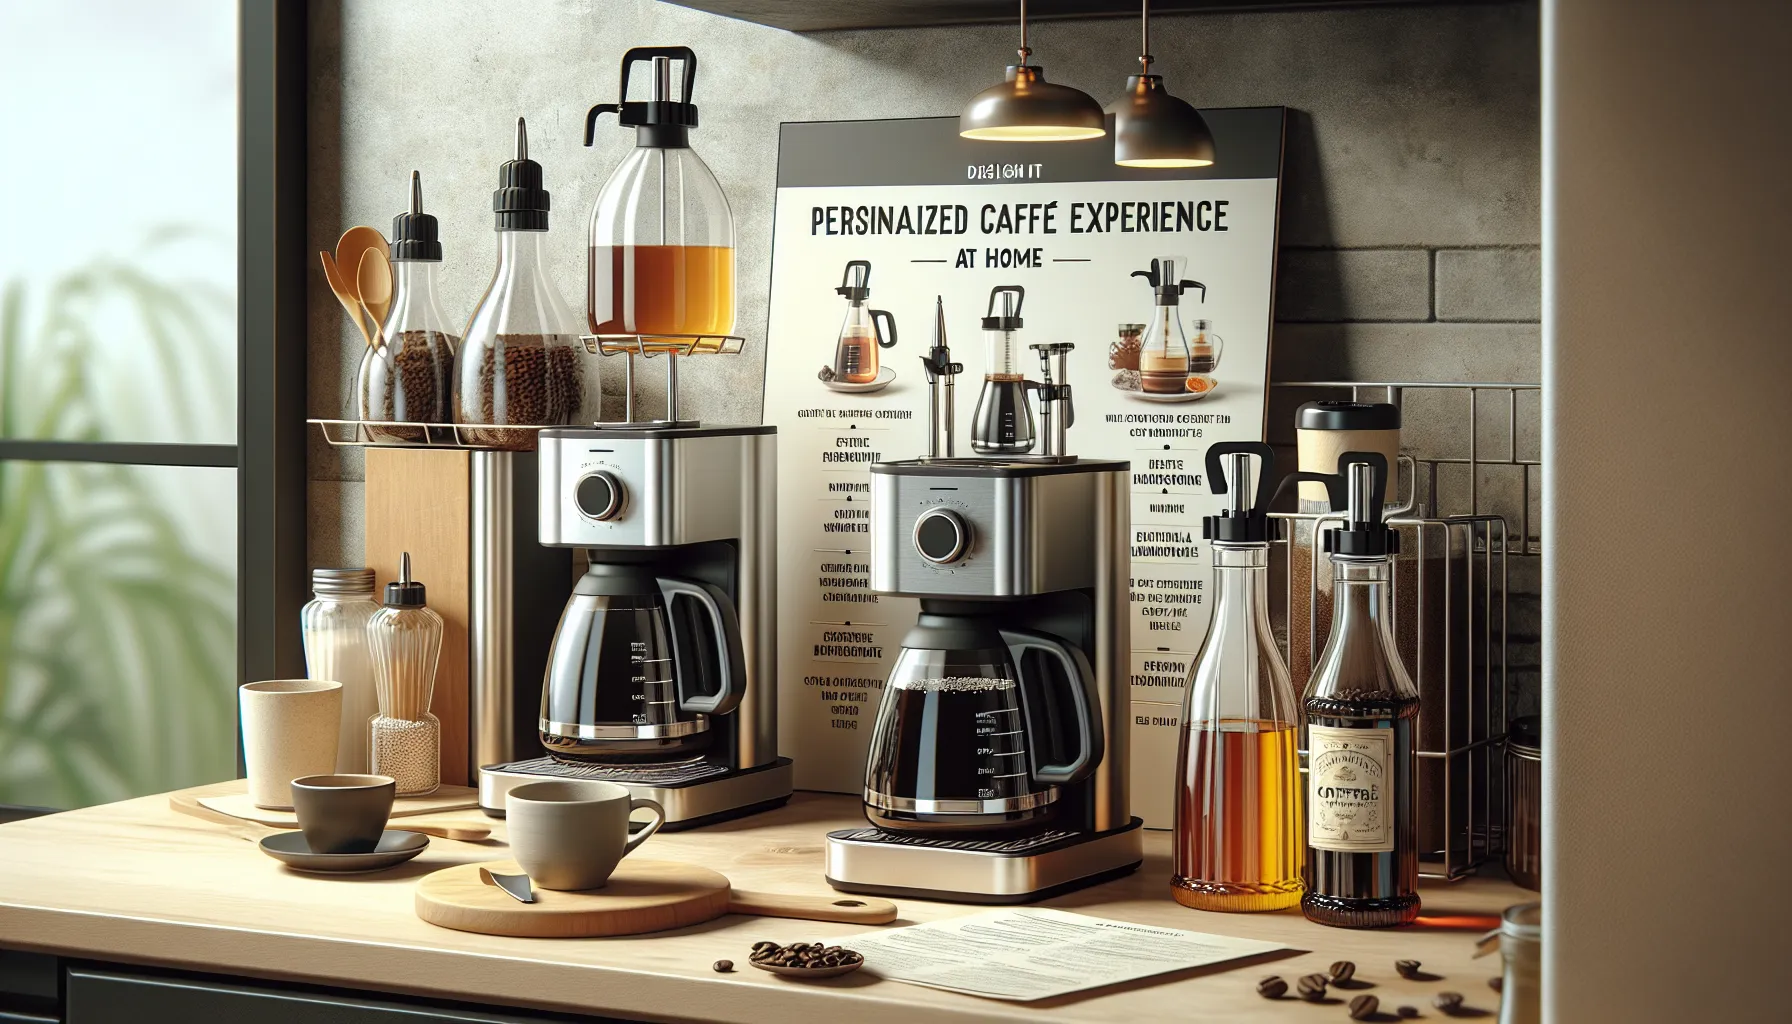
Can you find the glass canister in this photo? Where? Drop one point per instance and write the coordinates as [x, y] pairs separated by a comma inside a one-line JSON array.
[[521, 362], [1521, 952], [334, 625], [408, 374], [1524, 801], [662, 235], [1204, 347], [405, 637]]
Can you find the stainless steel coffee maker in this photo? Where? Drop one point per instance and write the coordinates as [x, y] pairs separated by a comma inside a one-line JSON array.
[[997, 771], [662, 675]]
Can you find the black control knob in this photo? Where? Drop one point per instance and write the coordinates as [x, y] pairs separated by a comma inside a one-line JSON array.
[[942, 536], [599, 495]]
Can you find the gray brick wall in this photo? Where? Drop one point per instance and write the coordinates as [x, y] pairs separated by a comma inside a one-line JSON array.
[[1410, 203]]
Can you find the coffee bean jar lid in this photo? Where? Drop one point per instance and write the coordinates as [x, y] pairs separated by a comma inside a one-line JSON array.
[[415, 234], [1347, 416], [520, 202], [1525, 735], [405, 592]]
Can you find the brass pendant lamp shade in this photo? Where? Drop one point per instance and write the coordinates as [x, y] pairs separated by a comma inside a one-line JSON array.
[[1027, 108], [1153, 128]]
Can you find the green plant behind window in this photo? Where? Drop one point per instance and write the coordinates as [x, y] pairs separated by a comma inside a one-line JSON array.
[[117, 637]]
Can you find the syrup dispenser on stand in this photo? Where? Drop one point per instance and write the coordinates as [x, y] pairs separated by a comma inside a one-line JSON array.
[[662, 674], [661, 278]]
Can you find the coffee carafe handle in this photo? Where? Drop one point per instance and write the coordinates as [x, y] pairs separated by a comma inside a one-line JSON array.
[[1084, 704], [886, 326], [731, 661]]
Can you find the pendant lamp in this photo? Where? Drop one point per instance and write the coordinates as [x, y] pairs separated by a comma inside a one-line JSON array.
[[1027, 108], [1151, 127]]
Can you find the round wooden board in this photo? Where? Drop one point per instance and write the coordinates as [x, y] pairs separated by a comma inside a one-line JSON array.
[[643, 896]]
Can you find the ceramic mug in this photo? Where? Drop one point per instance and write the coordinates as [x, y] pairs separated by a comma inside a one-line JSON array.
[[571, 833], [343, 813], [290, 729]]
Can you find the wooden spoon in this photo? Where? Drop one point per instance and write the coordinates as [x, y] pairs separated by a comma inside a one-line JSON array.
[[354, 243], [345, 294], [373, 281]]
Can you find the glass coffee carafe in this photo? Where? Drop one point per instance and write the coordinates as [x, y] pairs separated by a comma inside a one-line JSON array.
[[662, 235], [639, 663], [979, 727], [1003, 423], [864, 331]]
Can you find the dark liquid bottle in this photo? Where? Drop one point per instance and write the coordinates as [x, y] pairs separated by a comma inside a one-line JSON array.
[[1360, 708]]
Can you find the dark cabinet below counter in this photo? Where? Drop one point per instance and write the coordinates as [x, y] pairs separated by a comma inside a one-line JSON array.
[[103, 995]]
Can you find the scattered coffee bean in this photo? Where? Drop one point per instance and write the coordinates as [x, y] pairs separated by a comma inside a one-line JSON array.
[[1364, 1007], [724, 966], [1272, 987], [1407, 968], [1449, 1002], [1312, 987], [804, 954], [1407, 1011], [1343, 970], [1496, 983]]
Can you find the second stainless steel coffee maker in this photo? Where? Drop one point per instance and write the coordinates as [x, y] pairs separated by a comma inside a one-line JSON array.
[[997, 771]]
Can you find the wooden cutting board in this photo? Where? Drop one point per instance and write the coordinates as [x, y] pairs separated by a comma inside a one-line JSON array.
[[238, 805], [643, 896]]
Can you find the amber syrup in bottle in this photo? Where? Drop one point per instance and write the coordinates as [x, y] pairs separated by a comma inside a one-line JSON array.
[[1238, 844]]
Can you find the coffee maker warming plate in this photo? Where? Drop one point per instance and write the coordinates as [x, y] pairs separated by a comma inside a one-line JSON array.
[[995, 871]]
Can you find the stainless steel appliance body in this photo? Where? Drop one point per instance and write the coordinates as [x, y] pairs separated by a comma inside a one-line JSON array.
[[690, 508], [1040, 547]]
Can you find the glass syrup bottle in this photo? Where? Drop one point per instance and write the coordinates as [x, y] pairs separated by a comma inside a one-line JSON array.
[[1361, 708], [1238, 844]]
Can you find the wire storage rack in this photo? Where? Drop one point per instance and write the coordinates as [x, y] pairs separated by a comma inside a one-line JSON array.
[[1451, 595], [357, 433]]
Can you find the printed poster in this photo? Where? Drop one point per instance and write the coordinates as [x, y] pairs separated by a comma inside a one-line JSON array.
[[878, 220]]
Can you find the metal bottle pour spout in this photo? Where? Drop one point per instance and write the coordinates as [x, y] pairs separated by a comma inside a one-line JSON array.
[[942, 374]]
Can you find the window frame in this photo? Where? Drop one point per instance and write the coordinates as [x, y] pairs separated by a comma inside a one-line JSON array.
[[269, 455]]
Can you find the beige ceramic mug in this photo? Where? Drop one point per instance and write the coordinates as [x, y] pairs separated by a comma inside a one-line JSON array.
[[571, 833], [290, 729]]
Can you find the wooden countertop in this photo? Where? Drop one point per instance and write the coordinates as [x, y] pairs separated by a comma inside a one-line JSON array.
[[137, 882]]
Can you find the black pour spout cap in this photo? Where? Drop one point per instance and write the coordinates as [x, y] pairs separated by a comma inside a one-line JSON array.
[[1365, 477], [520, 202], [1013, 296], [1165, 284], [1241, 523], [414, 234], [856, 289], [405, 592], [662, 122]]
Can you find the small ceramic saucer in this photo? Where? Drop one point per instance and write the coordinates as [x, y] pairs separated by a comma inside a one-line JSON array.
[[809, 972], [1179, 396], [395, 847], [884, 376]]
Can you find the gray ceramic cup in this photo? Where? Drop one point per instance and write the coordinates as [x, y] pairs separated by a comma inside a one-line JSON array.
[[343, 813], [571, 833]]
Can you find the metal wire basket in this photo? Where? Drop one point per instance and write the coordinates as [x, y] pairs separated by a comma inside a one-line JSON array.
[[1451, 603]]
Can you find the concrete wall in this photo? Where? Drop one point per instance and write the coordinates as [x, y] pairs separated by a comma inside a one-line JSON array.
[[1665, 805], [1411, 210]]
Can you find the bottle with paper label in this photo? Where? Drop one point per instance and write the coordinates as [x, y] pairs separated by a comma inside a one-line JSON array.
[[1361, 708]]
